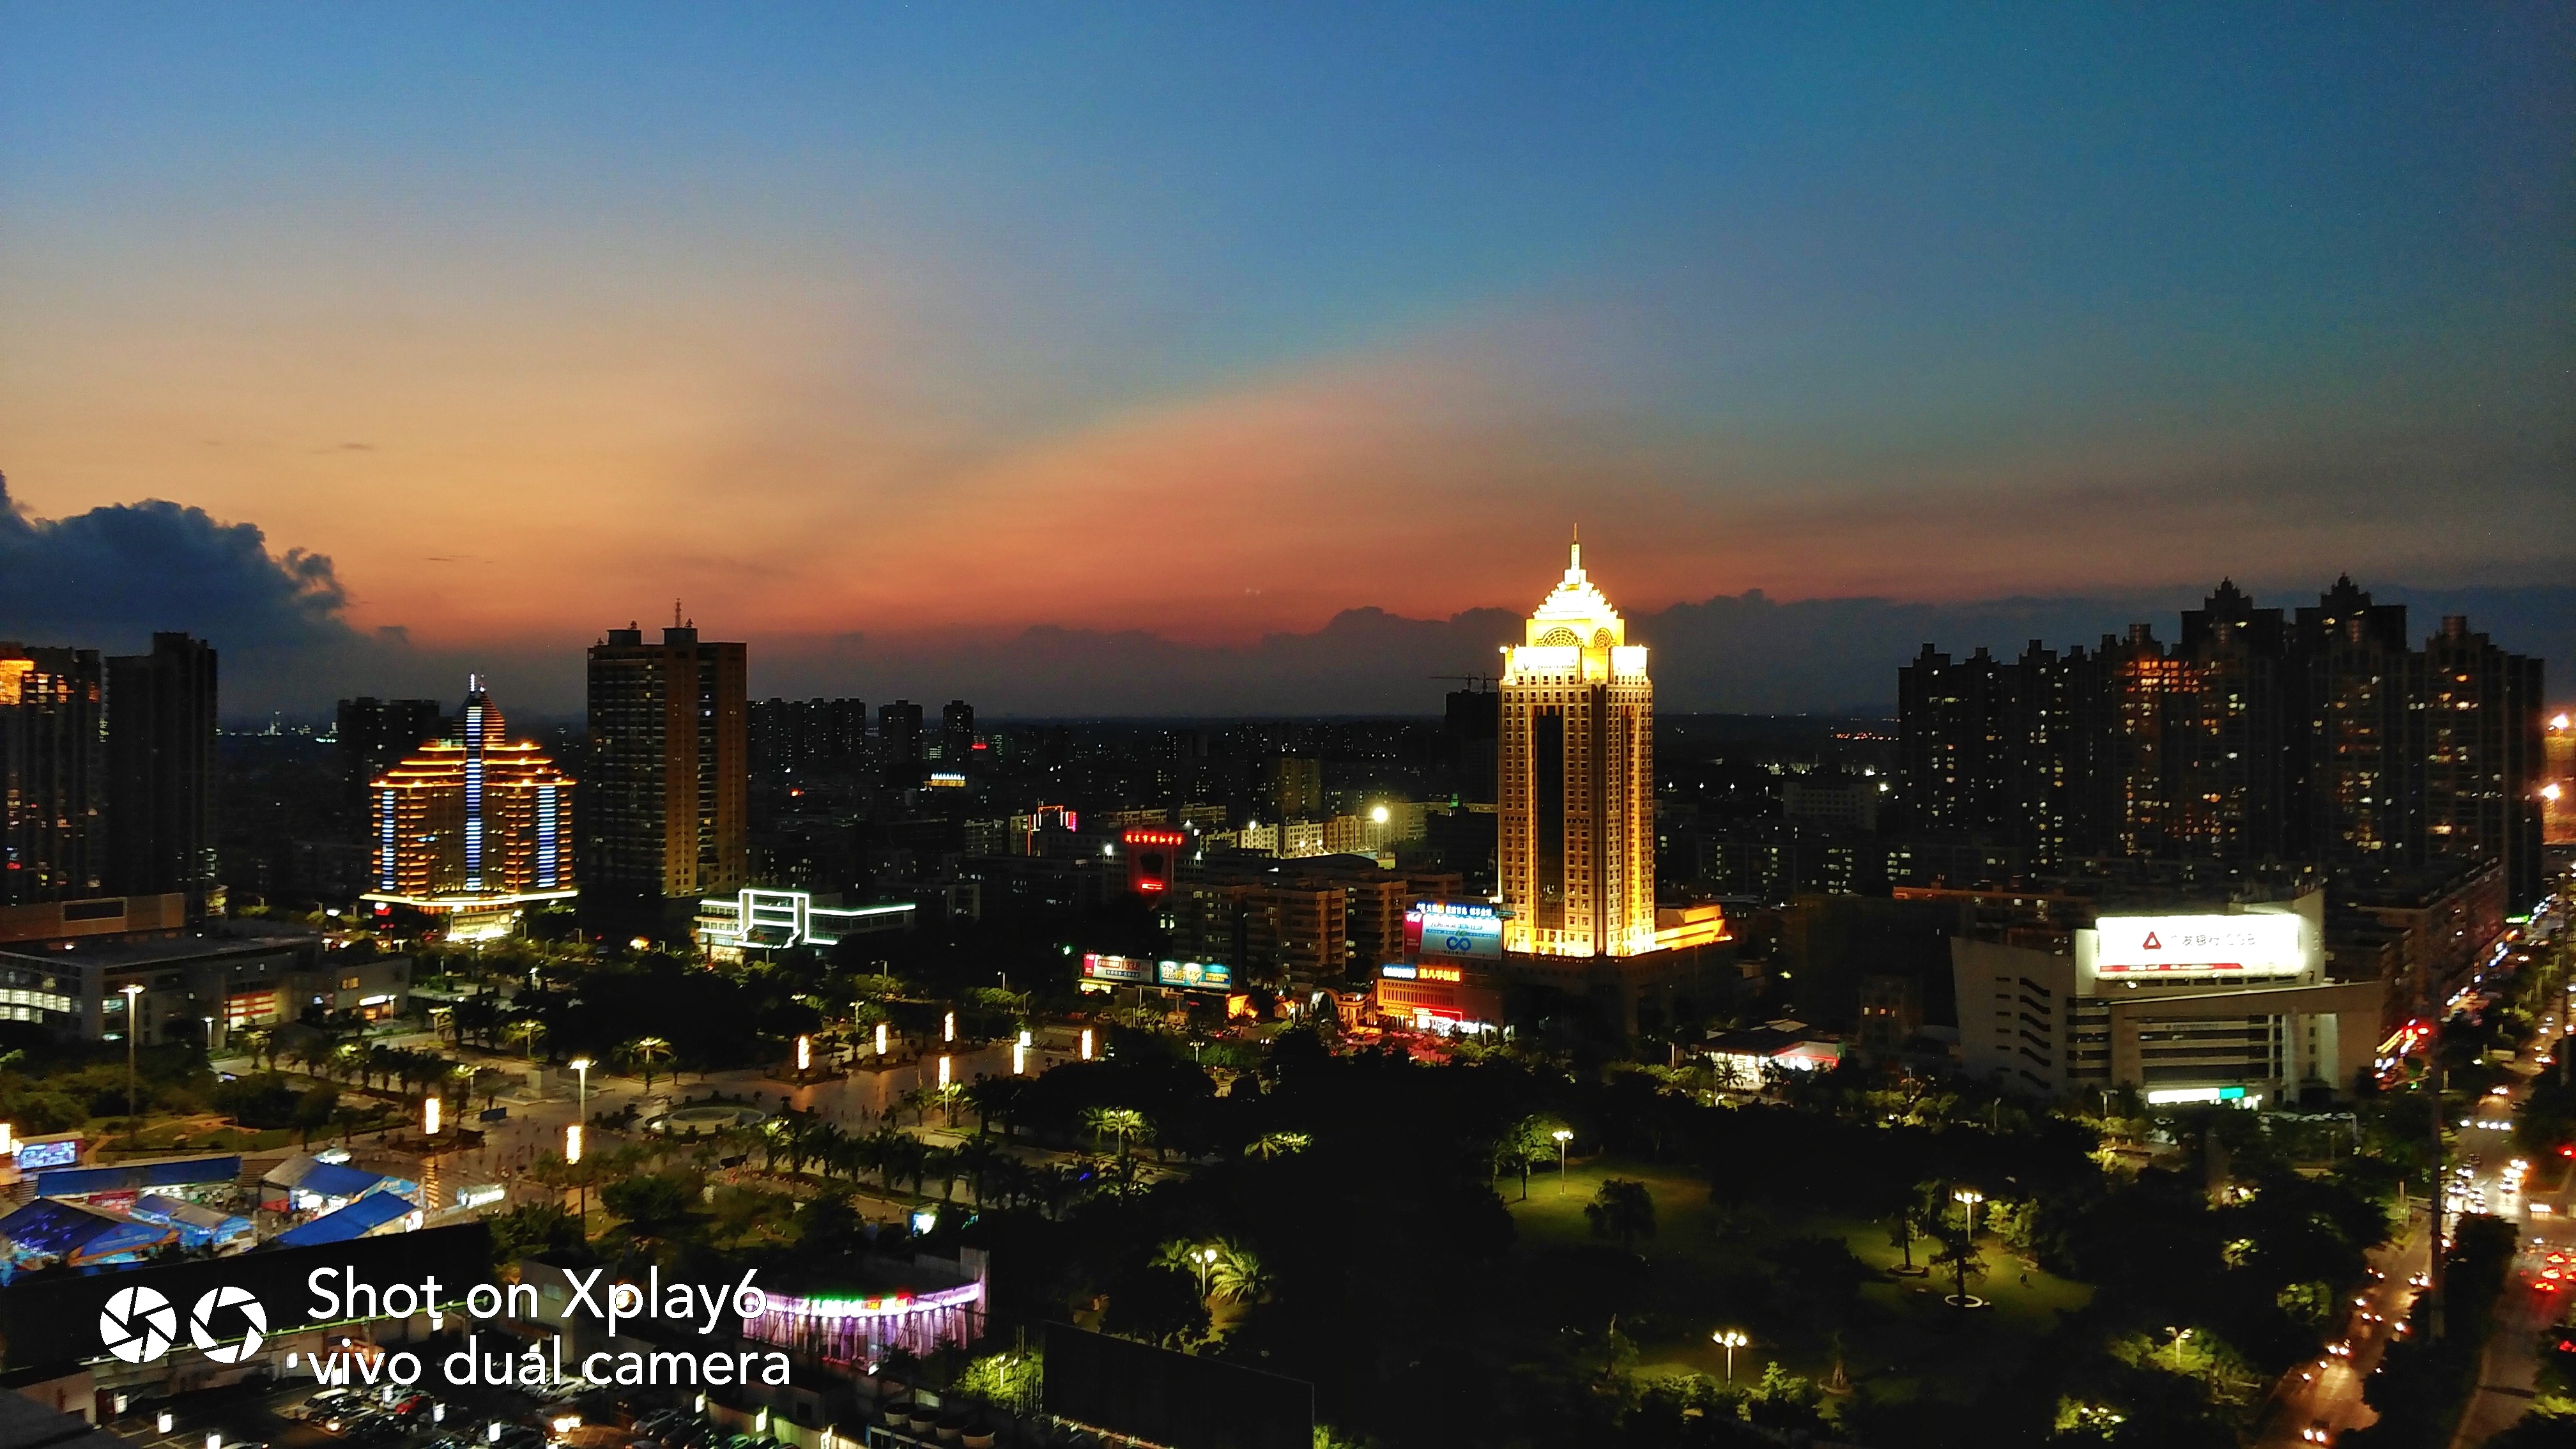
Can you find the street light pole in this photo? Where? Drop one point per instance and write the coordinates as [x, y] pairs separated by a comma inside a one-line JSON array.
[[133, 1028], [582, 1065], [1562, 1137], [1730, 1339], [1971, 1197]]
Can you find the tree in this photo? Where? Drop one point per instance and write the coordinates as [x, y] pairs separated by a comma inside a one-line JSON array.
[[1958, 1258], [1276, 1144], [1622, 1209], [1518, 1145], [1126, 1122], [646, 1050], [1238, 1276]]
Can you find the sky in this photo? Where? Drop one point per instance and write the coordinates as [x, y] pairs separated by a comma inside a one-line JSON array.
[[950, 348]]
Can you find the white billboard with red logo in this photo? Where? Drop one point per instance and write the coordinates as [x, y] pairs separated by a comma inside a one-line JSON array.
[[2252, 945]]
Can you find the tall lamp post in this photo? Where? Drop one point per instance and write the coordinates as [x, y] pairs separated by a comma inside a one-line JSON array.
[[1971, 1197], [133, 1028], [1729, 1339], [1562, 1137], [582, 1065]]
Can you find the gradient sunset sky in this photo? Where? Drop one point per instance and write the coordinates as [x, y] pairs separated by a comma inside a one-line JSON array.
[[1210, 321]]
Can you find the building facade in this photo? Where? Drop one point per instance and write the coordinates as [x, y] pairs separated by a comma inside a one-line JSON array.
[[1577, 780], [666, 815], [160, 771], [2231, 1003], [375, 735], [2319, 736], [473, 827], [51, 841]]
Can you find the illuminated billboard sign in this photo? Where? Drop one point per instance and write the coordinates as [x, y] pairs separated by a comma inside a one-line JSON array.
[[1096, 967], [1472, 929], [1194, 975], [2257, 945], [32, 1155]]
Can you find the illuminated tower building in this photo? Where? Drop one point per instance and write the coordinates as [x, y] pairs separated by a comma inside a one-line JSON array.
[[1577, 786], [472, 827], [666, 810]]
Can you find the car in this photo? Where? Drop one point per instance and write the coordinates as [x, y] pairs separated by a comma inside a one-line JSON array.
[[2317, 1433]]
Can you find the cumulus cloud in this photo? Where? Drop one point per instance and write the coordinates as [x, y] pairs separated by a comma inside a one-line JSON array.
[[109, 578]]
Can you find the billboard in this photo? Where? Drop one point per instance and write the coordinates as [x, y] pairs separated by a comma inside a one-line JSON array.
[[1194, 975], [1096, 967], [1470, 929], [2257, 945]]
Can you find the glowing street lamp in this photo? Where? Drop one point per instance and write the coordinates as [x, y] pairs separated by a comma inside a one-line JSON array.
[[582, 1065], [2179, 1334], [943, 1073], [804, 1054], [881, 1039], [1086, 1043], [572, 1144], [1971, 1197], [1562, 1137], [133, 1028], [1729, 1339], [429, 1114], [948, 1028]]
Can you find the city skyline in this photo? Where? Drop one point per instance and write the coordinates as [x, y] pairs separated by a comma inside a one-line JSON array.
[[916, 334]]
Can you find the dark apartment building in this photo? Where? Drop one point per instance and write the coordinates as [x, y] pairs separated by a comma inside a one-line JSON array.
[[377, 734], [160, 771], [52, 847], [899, 733], [794, 734], [956, 733], [664, 800], [2315, 736]]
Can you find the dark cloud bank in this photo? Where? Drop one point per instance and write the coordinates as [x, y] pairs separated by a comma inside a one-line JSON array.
[[111, 576]]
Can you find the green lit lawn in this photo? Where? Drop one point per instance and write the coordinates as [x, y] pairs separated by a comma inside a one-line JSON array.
[[1902, 1337]]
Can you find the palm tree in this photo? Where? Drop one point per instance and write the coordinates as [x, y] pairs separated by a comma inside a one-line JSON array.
[[644, 1049], [1125, 1121], [1276, 1144], [1238, 1275], [527, 1030]]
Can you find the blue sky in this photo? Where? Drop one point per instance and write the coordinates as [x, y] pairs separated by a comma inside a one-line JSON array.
[[1219, 322]]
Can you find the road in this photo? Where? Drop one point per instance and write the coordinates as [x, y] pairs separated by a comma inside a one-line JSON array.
[[858, 1101], [2485, 1177]]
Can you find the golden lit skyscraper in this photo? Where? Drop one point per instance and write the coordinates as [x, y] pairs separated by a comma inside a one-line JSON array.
[[1578, 780]]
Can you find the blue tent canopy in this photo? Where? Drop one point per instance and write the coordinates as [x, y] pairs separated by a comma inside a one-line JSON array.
[[336, 1179], [45, 1228], [354, 1221], [196, 1225], [138, 1176]]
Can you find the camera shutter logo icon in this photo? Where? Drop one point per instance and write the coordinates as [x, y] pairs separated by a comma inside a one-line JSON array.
[[138, 1324], [201, 1327]]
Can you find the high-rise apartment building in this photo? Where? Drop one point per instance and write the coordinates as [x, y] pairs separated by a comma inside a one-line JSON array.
[[665, 812], [1577, 788], [51, 847], [956, 733], [160, 771], [2324, 738], [1295, 787], [790, 734], [472, 826], [899, 733], [375, 735]]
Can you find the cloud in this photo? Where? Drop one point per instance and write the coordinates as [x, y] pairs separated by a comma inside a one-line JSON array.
[[1740, 653], [112, 576]]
